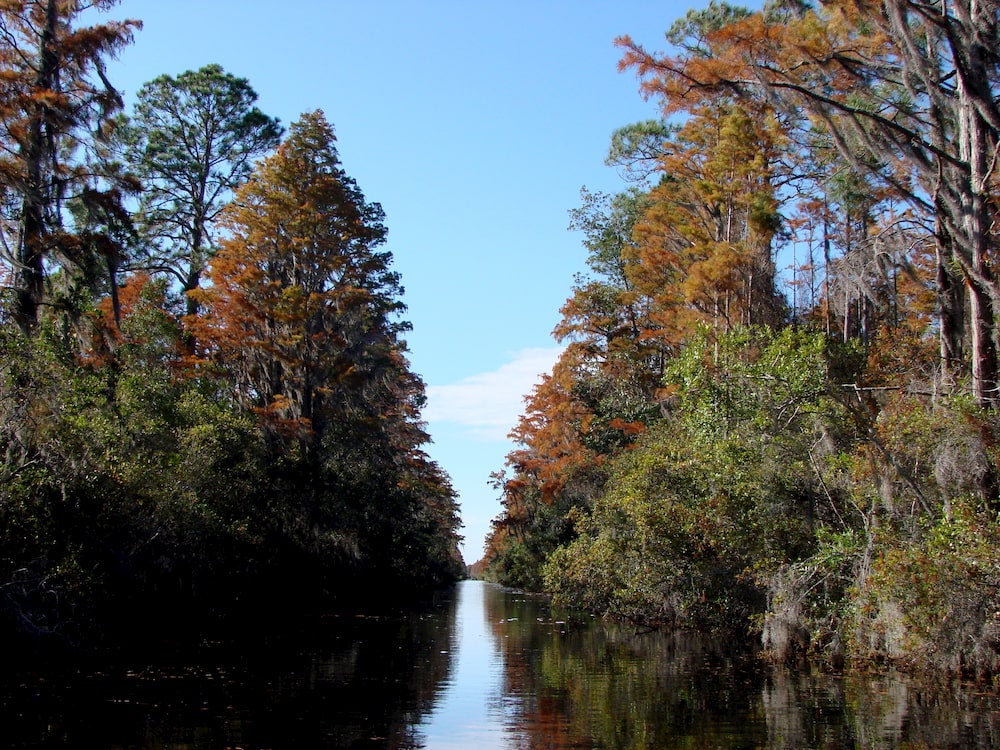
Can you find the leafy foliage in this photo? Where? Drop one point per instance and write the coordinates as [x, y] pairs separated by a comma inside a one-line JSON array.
[[160, 475], [713, 498], [821, 473]]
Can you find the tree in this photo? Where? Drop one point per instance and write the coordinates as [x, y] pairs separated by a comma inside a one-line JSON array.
[[605, 313], [301, 316], [192, 140], [301, 303], [50, 108], [906, 91], [705, 245]]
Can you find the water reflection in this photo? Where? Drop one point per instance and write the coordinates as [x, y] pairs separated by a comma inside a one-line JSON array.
[[581, 683], [483, 669], [588, 684], [465, 716], [358, 681]]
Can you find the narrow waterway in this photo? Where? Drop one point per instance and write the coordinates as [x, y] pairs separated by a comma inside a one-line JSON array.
[[481, 669]]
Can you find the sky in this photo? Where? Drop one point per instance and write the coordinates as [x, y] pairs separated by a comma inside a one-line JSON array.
[[475, 124]]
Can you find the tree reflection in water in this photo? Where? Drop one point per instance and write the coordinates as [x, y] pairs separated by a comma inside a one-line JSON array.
[[483, 669], [580, 683], [352, 681]]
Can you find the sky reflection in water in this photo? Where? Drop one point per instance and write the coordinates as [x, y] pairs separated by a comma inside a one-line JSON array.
[[468, 713]]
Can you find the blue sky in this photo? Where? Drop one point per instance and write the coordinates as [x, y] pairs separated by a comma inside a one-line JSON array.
[[474, 124]]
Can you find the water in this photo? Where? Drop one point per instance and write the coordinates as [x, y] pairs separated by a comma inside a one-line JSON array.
[[483, 669]]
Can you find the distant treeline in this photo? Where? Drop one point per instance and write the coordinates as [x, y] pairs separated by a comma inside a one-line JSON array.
[[206, 409], [776, 413]]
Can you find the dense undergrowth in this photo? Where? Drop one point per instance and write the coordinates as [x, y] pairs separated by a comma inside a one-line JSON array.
[[137, 505], [776, 497]]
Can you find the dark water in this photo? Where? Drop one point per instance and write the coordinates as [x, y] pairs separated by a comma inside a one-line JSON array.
[[483, 669]]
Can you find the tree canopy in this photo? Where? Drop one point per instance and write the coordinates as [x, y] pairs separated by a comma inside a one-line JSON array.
[[734, 445], [262, 453], [192, 140]]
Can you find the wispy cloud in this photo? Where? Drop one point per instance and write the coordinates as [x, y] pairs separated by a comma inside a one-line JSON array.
[[488, 404]]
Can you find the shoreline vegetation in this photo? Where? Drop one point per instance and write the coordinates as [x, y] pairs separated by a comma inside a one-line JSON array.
[[802, 456], [207, 417]]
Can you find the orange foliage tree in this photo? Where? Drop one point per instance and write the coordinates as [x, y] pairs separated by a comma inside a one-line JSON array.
[[299, 309], [50, 107], [300, 314], [599, 395], [905, 92], [704, 247]]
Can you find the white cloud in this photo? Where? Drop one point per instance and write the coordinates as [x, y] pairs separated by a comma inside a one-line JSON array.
[[488, 404]]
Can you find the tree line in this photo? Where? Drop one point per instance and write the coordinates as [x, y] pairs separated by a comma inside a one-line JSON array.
[[776, 410], [206, 407]]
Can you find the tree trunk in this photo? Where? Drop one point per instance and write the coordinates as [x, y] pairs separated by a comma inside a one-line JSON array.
[[35, 154], [974, 148], [984, 355], [951, 310]]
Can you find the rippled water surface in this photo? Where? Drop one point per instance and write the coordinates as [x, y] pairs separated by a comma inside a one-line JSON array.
[[482, 669]]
